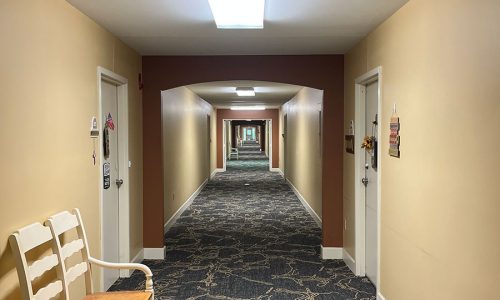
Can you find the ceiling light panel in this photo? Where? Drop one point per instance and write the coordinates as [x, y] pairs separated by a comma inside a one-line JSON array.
[[238, 14], [248, 107], [245, 92]]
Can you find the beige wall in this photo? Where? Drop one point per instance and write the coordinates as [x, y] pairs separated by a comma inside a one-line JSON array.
[[185, 151], [48, 68], [440, 202], [303, 165]]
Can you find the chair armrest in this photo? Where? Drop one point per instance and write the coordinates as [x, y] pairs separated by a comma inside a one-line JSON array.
[[130, 266]]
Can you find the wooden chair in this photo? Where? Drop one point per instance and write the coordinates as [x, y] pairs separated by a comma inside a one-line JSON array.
[[24, 240], [234, 152], [66, 221]]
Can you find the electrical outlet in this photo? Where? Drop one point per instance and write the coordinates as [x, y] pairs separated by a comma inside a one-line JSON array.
[[345, 224]]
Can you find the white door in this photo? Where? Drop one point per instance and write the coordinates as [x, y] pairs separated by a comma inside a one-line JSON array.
[[110, 194], [371, 116]]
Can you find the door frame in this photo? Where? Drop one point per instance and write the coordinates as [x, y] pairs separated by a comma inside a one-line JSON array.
[[224, 144], [224, 154], [285, 141], [209, 145], [360, 199], [124, 165]]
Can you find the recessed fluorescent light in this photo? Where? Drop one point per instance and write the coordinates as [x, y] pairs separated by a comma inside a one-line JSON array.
[[245, 91], [248, 107], [238, 14]]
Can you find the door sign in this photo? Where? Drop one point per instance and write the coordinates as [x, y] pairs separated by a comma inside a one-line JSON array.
[[394, 138], [106, 175]]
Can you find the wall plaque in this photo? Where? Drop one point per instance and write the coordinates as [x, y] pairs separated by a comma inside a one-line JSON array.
[[349, 143], [394, 139], [349, 138]]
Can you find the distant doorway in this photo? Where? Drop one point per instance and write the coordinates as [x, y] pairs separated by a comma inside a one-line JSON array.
[[249, 138], [249, 134]]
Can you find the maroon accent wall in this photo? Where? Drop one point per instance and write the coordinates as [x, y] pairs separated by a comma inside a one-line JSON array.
[[325, 72], [272, 114]]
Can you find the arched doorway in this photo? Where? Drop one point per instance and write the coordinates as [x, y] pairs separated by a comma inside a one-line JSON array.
[[323, 72]]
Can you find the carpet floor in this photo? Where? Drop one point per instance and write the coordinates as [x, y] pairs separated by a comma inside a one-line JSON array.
[[250, 150], [247, 236]]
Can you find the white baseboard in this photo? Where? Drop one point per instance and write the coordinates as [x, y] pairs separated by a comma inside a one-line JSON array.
[[380, 296], [306, 205], [277, 170], [184, 206], [215, 172], [124, 273], [139, 257], [331, 252], [349, 261], [154, 253]]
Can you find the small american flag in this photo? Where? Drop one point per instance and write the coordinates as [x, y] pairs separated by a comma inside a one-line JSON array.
[[109, 122]]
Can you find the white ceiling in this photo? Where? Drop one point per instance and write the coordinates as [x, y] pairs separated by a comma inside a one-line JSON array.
[[186, 27], [222, 94]]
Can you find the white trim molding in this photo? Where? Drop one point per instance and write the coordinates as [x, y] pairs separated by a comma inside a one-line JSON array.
[[218, 170], [278, 170], [349, 261], [139, 257], [184, 206], [331, 252], [306, 205], [380, 296], [155, 253], [270, 143]]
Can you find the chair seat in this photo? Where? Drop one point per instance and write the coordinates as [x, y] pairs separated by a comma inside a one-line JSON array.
[[127, 295]]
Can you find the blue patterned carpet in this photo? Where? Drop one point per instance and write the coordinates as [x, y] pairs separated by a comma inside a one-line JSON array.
[[247, 236]]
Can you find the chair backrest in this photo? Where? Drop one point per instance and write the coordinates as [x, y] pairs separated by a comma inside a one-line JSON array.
[[65, 222], [24, 240]]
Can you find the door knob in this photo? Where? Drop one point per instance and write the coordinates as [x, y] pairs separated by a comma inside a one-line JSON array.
[[365, 181], [119, 182]]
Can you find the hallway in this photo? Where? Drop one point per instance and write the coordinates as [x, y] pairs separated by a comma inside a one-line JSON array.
[[382, 114], [250, 150], [247, 236]]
